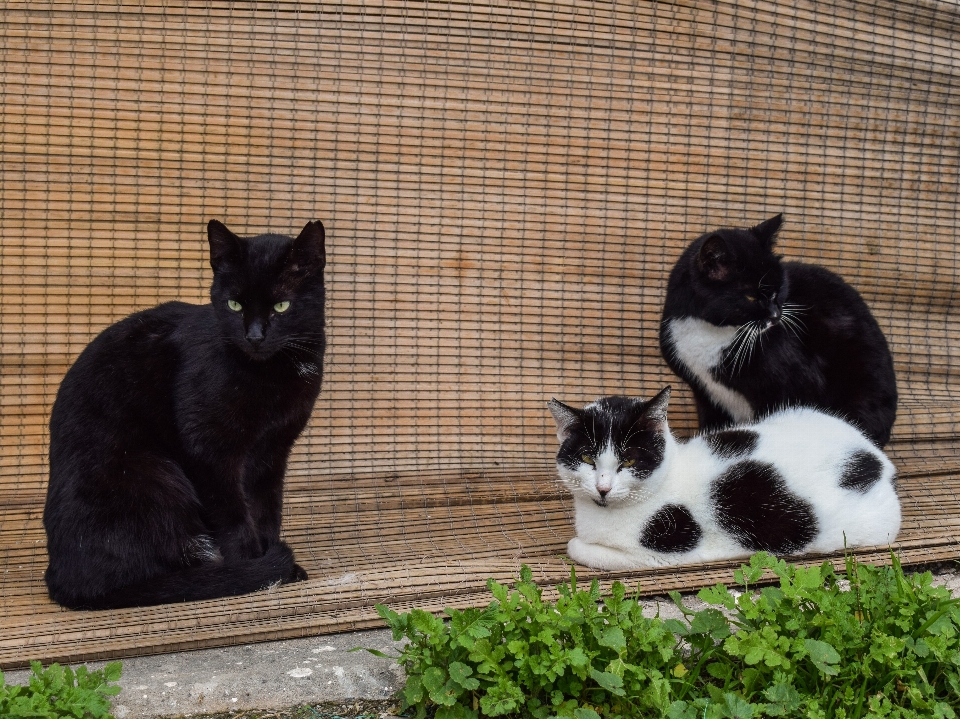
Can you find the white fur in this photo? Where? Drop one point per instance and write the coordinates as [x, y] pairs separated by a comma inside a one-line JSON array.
[[700, 346], [808, 449]]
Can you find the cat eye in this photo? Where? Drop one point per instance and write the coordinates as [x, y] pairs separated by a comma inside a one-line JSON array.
[[627, 463], [281, 306], [588, 459], [234, 305], [751, 298]]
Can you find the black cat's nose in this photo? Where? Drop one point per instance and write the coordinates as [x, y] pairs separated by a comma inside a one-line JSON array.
[[255, 334]]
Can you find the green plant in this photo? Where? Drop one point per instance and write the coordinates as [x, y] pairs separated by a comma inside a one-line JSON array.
[[58, 692], [880, 644]]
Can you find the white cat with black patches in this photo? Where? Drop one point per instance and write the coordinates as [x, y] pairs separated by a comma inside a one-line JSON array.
[[798, 481]]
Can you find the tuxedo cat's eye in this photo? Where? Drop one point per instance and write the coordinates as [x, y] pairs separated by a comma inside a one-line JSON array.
[[281, 307], [627, 463], [588, 459], [234, 305]]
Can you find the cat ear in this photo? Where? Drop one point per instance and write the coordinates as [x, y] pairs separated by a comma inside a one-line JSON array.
[[225, 247], [656, 408], [767, 231], [714, 258], [308, 255], [567, 418]]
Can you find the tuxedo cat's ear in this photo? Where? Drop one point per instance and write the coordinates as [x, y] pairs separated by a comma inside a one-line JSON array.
[[656, 408], [767, 231], [714, 258], [225, 247], [567, 418], [308, 255]]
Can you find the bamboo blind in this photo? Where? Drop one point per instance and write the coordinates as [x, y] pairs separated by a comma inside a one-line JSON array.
[[505, 186]]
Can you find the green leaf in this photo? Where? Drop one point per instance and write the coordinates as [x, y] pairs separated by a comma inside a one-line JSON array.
[[613, 637], [611, 682], [783, 698], [457, 711], [736, 707], [434, 678], [460, 673], [823, 656], [712, 622], [585, 713]]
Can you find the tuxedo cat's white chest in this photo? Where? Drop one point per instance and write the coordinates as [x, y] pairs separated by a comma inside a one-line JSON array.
[[700, 345]]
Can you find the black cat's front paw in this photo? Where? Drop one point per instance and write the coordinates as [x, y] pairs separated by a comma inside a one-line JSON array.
[[298, 574]]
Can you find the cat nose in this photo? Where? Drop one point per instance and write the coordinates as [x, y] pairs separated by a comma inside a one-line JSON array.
[[602, 492], [255, 333]]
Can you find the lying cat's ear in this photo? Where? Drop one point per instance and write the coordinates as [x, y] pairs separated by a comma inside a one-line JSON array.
[[714, 258], [656, 408], [308, 255], [225, 247], [567, 418], [767, 231]]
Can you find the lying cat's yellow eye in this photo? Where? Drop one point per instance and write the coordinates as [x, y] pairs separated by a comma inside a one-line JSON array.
[[234, 305], [751, 298], [281, 306], [587, 458], [628, 463]]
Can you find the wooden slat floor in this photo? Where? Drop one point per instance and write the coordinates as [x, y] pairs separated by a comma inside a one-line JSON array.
[[402, 541]]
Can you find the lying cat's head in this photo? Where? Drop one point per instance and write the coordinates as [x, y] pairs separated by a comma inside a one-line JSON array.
[[610, 448], [736, 277], [268, 291]]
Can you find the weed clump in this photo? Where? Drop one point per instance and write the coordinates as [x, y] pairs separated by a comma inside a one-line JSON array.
[[58, 692], [880, 644]]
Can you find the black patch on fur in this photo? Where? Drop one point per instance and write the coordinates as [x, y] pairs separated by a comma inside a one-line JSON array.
[[671, 530], [861, 471], [732, 443], [754, 505]]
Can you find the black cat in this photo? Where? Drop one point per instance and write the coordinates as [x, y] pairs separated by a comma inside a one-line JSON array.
[[170, 434], [752, 334]]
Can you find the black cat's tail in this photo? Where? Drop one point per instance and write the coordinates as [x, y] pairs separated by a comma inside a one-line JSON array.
[[206, 581]]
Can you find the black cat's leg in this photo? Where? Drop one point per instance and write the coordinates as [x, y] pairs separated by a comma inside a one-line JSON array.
[[125, 523], [710, 416], [265, 492], [225, 507]]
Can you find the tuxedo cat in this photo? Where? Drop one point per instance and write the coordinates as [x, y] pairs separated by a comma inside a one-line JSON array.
[[170, 434], [798, 481], [751, 334]]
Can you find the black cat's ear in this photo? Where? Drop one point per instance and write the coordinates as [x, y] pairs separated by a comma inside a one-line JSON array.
[[308, 255], [566, 417], [714, 259], [225, 247], [656, 408], [767, 231]]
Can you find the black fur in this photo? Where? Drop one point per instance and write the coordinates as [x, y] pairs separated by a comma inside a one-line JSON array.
[[862, 471], [671, 529], [170, 434], [827, 351], [753, 504], [632, 425], [730, 443]]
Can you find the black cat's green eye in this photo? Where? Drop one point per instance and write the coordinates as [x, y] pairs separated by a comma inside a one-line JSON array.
[[588, 459], [234, 305], [281, 306], [751, 298]]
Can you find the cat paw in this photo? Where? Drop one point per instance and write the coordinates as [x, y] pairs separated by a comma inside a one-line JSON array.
[[299, 573]]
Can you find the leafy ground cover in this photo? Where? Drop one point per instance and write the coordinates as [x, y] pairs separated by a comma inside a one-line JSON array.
[[58, 692], [870, 642]]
